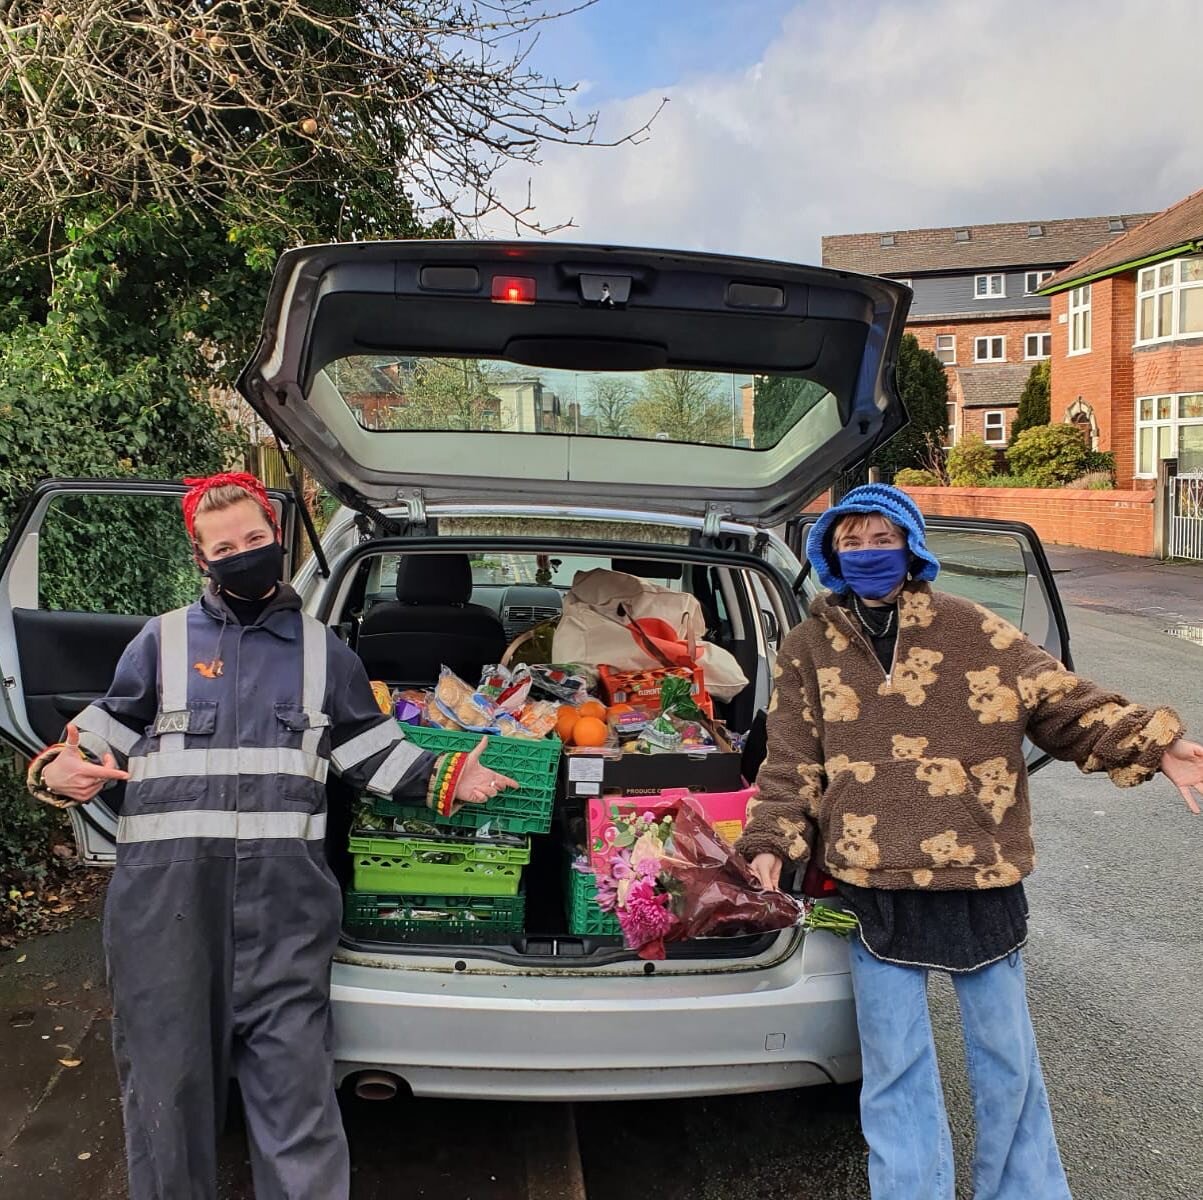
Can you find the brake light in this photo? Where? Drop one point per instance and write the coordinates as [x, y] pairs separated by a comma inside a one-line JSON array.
[[513, 289], [816, 883]]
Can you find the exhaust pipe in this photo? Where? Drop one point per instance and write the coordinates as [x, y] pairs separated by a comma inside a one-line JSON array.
[[375, 1085]]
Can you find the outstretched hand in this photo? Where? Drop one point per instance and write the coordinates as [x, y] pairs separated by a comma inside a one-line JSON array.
[[478, 784], [1182, 765], [76, 778]]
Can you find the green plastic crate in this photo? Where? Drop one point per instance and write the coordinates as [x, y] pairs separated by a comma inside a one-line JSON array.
[[584, 917], [525, 809], [448, 864], [379, 917]]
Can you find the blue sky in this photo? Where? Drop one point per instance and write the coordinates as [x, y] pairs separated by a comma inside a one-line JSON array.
[[625, 47], [789, 119]]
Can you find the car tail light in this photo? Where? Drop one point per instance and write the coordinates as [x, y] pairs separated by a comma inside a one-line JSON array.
[[513, 289], [816, 883]]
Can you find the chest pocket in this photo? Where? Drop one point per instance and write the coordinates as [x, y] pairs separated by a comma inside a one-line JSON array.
[[303, 729], [198, 719], [172, 780]]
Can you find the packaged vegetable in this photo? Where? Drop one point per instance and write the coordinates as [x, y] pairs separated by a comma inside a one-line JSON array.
[[559, 683]]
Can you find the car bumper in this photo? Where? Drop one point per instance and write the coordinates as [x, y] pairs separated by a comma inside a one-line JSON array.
[[588, 1036]]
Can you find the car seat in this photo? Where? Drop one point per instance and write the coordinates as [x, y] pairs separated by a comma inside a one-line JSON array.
[[430, 624]]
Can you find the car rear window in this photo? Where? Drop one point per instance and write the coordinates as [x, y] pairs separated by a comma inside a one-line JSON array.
[[715, 408]]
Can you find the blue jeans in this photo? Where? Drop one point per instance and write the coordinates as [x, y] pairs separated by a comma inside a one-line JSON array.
[[902, 1102]]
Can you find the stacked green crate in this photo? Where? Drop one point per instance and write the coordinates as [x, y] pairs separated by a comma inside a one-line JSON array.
[[533, 763], [438, 920], [440, 881], [585, 919]]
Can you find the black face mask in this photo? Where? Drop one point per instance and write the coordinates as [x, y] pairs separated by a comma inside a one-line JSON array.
[[251, 574]]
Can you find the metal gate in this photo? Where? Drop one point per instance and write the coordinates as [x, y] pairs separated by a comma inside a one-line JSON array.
[[1186, 516]]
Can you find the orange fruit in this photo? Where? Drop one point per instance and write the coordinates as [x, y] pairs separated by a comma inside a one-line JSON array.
[[566, 720], [618, 710], [589, 731], [593, 708]]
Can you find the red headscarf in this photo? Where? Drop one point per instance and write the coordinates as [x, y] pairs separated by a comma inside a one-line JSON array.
[[240, 479]]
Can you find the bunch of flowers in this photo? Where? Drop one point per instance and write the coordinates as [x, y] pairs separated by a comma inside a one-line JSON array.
[[669, 876]]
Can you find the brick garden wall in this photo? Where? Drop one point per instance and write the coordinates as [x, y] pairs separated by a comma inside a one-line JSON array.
[[1119, 521]]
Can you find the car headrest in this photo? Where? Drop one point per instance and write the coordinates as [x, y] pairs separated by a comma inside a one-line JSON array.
[[434, 579]]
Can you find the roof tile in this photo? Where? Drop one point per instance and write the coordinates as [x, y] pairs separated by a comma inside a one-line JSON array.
[[1003, 245], [1177, 225]]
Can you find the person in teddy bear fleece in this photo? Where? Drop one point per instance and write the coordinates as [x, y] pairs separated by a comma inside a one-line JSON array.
[[896, 730]]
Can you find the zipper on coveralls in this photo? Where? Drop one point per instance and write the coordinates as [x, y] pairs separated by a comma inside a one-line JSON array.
[[864, 641]]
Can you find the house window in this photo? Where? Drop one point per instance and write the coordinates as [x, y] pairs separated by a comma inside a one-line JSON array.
[[1037, 345], [950, 434], [1033, 281], [887, 240], [1169, 301], [946, 348], [1079, 320], [1035, 231], [1115, 225], [1169, 427], [989, 287], [960, 235], [995, 427], [990, 349]]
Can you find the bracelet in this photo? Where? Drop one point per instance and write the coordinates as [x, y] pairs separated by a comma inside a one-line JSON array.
[[441, 793], [35, 782]]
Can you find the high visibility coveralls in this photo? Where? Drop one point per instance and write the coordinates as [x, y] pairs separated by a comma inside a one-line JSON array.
[[222, 914]]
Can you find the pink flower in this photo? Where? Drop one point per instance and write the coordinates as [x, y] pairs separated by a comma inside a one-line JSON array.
[[645, 917]]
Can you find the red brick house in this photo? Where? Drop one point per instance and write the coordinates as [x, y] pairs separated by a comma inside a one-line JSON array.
[[1127, 344], [978, 304]]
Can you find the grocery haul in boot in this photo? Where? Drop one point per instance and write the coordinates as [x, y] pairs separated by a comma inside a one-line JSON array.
[[630, 799]]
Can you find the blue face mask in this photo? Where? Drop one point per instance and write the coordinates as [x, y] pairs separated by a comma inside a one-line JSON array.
[[874, 574]]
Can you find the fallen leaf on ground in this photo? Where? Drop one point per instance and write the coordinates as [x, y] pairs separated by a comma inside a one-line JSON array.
[[22, 957], [49, 984], [70, 1062], [85, 1156]]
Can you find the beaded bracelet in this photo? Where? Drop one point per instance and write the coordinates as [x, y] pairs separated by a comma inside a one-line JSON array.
[[441, 793]]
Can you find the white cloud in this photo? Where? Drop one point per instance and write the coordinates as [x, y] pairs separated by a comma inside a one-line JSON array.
[[906, 113]]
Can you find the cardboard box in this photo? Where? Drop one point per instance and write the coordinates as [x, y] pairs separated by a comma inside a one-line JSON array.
[[641, 689], [649, 774], [725, 812]]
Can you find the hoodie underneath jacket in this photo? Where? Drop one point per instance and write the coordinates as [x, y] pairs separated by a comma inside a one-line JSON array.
[[915, 778]]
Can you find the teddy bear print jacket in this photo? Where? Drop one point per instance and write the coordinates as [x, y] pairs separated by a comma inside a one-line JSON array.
[[916, 779]]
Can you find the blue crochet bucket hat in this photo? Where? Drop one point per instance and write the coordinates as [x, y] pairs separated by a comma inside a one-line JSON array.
[[890, 502]]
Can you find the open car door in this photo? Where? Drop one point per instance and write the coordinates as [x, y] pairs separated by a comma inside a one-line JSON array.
[[87, 563], [998, 564]]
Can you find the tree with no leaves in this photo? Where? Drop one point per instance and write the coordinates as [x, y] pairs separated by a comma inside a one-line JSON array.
[[684, 405], [610, 400], [247, 105]]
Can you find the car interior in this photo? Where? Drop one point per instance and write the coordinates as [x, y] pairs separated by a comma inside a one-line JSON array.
[[408, 615]]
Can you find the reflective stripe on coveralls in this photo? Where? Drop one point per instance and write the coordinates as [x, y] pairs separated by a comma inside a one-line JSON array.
[[222, 915]]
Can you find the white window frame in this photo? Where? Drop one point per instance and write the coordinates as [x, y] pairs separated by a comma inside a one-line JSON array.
[[1079, 320], [1028, 356], [1001, 440], [990, 293], [1039, 277], [951, 362], [1148, 288], [993, 337], [950, 430], [1174, 423]]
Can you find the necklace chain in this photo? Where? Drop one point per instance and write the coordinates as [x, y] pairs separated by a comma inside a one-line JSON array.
[[869, 626]]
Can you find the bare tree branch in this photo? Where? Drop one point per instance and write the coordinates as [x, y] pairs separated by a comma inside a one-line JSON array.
[[233, 103]]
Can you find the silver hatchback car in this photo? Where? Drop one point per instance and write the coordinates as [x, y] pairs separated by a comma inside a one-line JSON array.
[[537, 409]]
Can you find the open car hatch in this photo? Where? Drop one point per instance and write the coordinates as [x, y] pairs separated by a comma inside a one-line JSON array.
[[551, 373]]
